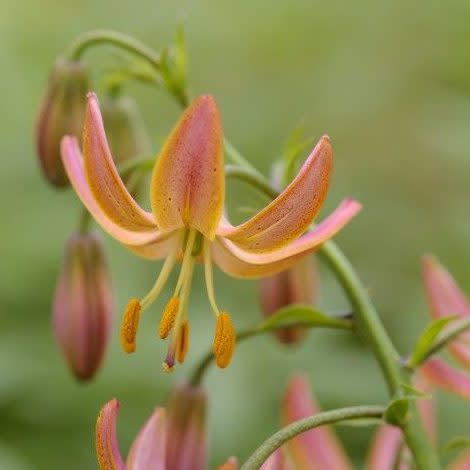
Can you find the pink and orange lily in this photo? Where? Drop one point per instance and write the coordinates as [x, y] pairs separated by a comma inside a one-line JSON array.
[[445, 298], [187, 224]]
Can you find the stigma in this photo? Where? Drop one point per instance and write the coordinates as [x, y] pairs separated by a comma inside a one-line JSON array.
[[174, 322]]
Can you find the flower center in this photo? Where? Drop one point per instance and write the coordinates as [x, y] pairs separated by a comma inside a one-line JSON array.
[[174, 323]]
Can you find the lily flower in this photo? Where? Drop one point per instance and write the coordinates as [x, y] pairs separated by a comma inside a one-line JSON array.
[[446, 298], [186, 222]]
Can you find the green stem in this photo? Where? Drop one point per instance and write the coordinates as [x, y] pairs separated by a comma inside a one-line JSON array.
[[114, 38], [342, 323], [372, 331], [84, 221], [297, 427], [251, 177]]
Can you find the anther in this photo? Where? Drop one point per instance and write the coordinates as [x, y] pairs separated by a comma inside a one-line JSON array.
[[168, 317], [224, 340], [182, 342], [130, 323]]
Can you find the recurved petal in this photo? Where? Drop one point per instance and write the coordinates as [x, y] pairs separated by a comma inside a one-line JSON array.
[[439, 373], [188, 186], [73, 163], [292, 212], [105, 183], [446, 298], [148, 449], [317, 449], [385, 449], [240, 262], [107, 448]]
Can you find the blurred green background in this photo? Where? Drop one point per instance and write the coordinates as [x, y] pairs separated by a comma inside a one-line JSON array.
[[388, 81]]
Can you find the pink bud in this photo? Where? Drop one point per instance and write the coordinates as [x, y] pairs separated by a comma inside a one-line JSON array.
[[186, 421], [61, 113], [297, 285], [82, 309]]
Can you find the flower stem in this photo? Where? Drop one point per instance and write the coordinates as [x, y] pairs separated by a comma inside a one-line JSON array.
[[115, 38], [297, 427], [372, 331]]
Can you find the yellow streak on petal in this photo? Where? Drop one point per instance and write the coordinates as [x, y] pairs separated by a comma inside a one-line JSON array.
[[168, 317], [224, 340], [130, 323], [188, 186]]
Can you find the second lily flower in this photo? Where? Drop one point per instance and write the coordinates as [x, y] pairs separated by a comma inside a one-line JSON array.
[[187, 223]]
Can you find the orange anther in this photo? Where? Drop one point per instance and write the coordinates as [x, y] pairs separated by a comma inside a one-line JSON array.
[[130, 323], [224, 340], [168, 317]]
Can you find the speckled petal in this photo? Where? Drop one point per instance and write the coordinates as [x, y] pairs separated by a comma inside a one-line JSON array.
[[188, 186], [317, 449], [148, 449], [292, 212], [105, 183], [239, 262], [73, 163], [107, 448]]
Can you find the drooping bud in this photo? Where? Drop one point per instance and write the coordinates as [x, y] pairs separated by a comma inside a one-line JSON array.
[[297, 285], [61, 113], [83, 305], [186, 421]]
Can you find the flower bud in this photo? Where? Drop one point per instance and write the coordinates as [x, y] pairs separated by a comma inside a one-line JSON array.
[[82, 309], [186, 431], [125, 129], [296, 285], [126, 133], [61, 113]]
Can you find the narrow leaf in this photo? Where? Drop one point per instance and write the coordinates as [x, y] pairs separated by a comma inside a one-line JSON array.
[[426, 340], [302, 315]]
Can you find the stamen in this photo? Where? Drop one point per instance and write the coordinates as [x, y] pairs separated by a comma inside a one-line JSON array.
[[209, 278], [182, 342], [130, 323], [162, 278], [178, 325], [168, 317], [169, 362], [224, 340]]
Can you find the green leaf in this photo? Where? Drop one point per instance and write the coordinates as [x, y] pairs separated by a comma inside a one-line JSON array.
[[426, 340], [302, 315], [396, 412], [457, 443]]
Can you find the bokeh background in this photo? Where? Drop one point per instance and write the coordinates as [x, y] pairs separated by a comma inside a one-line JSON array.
[[388, 81]]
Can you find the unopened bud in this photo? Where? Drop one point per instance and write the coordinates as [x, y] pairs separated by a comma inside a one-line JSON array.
[[82, 309], [125, 131], [186, 421], [297, 285], [61, 113]]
